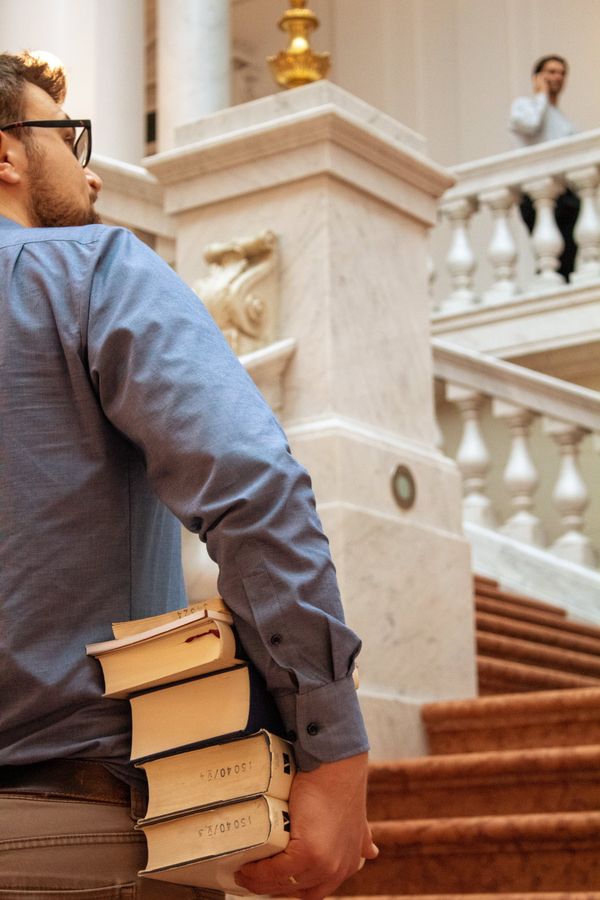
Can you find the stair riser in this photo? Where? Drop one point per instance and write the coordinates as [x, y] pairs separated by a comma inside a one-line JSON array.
[[573, 866], [567, 792], [515, 735]]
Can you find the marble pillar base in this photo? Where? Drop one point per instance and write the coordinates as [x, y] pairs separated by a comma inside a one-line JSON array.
[[412, 602]]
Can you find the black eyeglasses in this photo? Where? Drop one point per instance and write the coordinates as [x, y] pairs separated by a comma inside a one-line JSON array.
[[82, 142]]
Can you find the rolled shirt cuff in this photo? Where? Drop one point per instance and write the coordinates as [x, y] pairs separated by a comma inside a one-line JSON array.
[[324, 724]]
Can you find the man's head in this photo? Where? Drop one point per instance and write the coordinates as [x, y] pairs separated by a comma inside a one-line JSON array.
[[552, 70], [41, 182]]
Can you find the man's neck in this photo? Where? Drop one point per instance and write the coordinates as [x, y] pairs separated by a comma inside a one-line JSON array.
[[16, 214]]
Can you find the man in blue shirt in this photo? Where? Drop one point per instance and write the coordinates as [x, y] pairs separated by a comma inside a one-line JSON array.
[[122, 413]]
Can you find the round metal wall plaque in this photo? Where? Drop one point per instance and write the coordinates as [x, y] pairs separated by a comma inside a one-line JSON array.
[[404, 488]]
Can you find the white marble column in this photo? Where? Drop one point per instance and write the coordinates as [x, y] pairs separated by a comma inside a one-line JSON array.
[[193, 63], [344, 188], [101, 45]]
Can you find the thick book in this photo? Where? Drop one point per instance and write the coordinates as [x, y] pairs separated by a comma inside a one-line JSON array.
[[261, 763], [215, 707], [205, 848], [206, 607], [174, 651]]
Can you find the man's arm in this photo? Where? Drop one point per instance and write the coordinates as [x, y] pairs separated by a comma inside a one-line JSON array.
[[217, 458], [527, 114]]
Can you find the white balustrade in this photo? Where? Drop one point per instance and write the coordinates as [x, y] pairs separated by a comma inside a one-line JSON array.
[[472, 458], [587, 230], [569, 414], [461, 260], [570, 494], [520, 475], [502, 251], [497, 183]]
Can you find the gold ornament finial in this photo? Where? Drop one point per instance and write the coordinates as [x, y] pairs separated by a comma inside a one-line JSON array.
[[298, 64]]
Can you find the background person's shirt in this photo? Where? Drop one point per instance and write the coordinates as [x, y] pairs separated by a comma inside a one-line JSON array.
[[122, 408], [534, 120]]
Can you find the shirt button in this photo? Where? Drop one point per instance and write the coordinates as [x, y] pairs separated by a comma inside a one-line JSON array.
[[291, 735], [312, 728], [275, 639]]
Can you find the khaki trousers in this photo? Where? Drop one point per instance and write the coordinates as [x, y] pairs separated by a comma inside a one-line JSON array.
[[82, 850]]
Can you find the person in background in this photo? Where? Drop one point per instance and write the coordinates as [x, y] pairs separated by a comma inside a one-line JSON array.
[[123, 413], [534, 120]]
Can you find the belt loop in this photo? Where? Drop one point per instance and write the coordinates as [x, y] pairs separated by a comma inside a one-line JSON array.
[[139, 803]]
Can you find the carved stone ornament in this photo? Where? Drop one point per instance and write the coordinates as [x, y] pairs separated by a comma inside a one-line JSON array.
[[240, 290]]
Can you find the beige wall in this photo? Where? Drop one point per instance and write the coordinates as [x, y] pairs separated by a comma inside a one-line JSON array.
[[447, 68]]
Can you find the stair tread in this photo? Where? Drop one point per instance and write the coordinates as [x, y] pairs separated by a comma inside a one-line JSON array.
[[471, 830], [488, 763], [521, 613], [530, 652], [529, 676], [583, 703], [526, 895], [498, 593], [499, 624]]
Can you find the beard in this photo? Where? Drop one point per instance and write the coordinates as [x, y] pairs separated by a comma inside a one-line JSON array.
[[48, 207]]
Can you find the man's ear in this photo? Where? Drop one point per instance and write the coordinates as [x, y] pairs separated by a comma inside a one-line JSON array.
[[12, 156]]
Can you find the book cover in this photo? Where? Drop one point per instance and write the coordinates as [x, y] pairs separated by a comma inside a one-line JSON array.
[[174, 651], [205, 848], [219, 706], [208, 607], [261, 763]]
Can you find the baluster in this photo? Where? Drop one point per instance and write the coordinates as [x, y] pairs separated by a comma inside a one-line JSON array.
[[431, 279], [546, 238], [461, 259], [520, 475], [472, 456], [502, 251], [587, 229], [570, 494]]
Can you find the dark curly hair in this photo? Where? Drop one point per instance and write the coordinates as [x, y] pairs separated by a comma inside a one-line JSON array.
[[18, 69]]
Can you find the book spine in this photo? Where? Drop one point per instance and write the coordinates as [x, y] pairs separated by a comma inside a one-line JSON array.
[[283, 767]]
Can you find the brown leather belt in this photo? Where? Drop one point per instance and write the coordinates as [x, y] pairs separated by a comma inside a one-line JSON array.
[[70, 779]]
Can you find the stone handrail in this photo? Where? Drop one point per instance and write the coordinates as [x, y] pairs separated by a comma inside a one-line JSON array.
[[541, 393], [497, 183], [517, 396]]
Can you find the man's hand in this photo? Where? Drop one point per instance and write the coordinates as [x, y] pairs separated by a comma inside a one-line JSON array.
[[329, 834], [540, 83]]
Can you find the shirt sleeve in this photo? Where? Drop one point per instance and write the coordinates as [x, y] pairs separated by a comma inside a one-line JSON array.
[[216, 456], [527, 114]]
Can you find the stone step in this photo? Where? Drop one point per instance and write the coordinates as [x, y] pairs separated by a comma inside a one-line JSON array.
[[500, 676], [541, 634], [493, 783], [535, 653], [534, 617], [548, 852], [496, 593], [544, 895], [532, 653], [484, 579], [556, 718]]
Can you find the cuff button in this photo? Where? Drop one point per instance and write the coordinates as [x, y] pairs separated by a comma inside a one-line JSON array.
[[275, 639], [312, 728], [291, 735]]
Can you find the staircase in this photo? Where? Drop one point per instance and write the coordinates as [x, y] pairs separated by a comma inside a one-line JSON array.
[[508, 803]]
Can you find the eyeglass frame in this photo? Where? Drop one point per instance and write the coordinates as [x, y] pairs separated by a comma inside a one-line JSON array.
[[86, 124]]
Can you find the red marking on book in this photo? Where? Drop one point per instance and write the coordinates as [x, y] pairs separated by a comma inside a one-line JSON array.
[[194, 637]]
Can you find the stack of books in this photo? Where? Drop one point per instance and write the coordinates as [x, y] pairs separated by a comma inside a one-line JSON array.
[[209, 737]]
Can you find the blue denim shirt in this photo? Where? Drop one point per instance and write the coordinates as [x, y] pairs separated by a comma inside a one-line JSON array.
[[122, 411]]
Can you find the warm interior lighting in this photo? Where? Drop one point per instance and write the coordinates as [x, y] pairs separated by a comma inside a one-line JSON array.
[[45, 56]]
